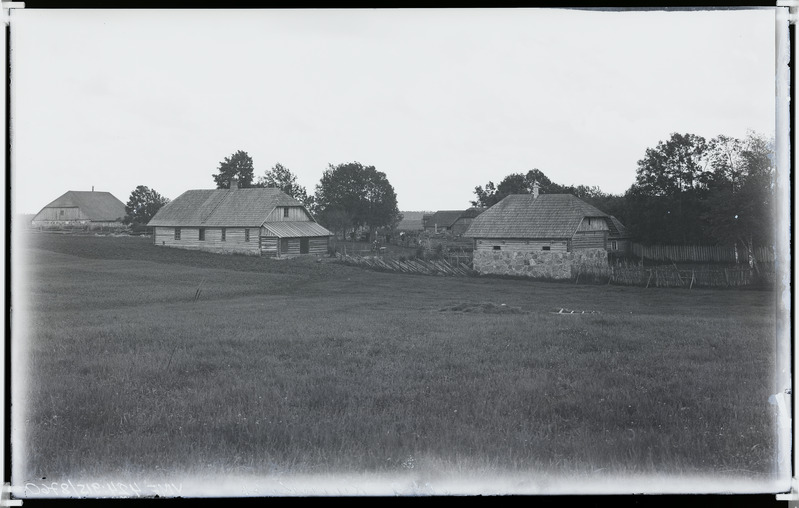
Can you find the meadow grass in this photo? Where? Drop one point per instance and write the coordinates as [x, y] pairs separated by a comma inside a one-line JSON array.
[[306, 367]]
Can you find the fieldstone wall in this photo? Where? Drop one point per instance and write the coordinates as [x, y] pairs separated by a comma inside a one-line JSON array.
[[545, 265]]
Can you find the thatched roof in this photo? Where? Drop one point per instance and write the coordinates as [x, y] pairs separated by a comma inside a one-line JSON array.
[[223, 208], [548, 216], [95, 206]]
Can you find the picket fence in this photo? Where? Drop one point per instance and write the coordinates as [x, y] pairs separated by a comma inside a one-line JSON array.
[[699, 253], [671, 276]]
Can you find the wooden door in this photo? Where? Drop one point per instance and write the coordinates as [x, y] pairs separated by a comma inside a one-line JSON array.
[[304, 243]]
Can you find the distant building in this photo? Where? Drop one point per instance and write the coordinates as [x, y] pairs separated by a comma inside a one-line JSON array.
[[258, 221], [532, 234], [88, 209], [454, 221], [411, 221]]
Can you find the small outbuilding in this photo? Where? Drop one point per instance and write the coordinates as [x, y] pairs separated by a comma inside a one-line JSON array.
[[87, 209], [258, 221], [543, 235]]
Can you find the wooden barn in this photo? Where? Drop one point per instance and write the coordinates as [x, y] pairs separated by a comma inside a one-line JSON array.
[[88, 209], [531, 233], [253, 221], [454, 221]]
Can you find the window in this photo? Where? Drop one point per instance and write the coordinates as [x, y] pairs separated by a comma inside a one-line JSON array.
[[177, 233], [545, 247], [286, 212], [202, 234], [223, 234], [246, 235], [61, 212], [613, 245], [497, 247]]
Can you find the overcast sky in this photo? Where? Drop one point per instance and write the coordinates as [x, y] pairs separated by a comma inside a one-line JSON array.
[[439, 100]]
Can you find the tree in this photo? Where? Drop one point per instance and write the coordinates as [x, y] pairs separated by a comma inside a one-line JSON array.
[[239, 166], [357, 195], [280, 177], [514, 183], [741, 203], [143, 205], [669, 193], [674, 166]]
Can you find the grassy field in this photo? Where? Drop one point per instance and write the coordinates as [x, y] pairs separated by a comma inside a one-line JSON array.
[[145, 363]]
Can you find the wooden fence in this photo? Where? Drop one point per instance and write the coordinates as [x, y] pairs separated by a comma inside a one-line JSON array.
[[671, 276], [415, 266], [699, 253]]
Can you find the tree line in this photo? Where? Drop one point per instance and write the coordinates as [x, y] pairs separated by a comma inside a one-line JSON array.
[[687, 191]]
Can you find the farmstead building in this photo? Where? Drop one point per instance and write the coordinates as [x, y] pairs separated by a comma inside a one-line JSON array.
[[253, 221], [454, 221], [546, 235], [88, 209]]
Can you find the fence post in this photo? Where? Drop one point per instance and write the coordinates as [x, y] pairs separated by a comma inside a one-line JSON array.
[[692, 280], [727, 277]]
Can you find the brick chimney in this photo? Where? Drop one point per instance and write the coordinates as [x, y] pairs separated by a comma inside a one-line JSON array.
[[535, 189], [234, 183]]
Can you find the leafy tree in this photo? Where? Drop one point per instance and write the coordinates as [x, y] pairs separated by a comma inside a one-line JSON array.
[[143, 205], [239, 166], [669, 192], [514, 183], [741, 204], [674, 166], [282, 178], [358, 194]]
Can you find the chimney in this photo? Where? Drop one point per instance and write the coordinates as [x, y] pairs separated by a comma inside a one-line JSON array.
[[92, 188], [234, 183], [535, 189]]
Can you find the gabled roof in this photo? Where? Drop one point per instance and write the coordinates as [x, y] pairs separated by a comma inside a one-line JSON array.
[[412, 221], [446, 218], [523, 216], [96, 206], [223, 208]]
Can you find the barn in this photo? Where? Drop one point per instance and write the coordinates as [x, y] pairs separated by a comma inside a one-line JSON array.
[[257, 221], [454, 221], [544, 235], [86, 209]]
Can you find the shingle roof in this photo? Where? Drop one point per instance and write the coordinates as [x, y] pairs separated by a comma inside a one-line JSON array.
[[96, 206], [222, 207], [522, 216]]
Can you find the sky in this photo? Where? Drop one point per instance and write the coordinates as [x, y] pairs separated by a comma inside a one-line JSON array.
[[440, 100]]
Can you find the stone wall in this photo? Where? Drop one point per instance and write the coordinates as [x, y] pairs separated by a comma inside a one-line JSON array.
[[544, 265]]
